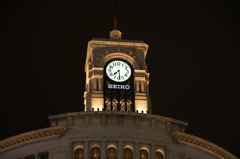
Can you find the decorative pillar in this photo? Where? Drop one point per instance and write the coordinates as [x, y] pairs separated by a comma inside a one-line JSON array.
[[137, 86], [143, 86], [137, 151], [168, 126], [86, 119], [94, 84], [153, 152], [103, 150], [86, 150], [91, 84], [100, 85], [70, 120], [147, 88], [120, 150], [53, 122], [153, 123]]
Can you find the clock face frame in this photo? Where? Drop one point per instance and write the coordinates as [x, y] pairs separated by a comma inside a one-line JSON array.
[[118, 71]]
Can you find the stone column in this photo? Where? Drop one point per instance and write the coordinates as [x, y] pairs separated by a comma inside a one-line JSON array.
[[143, 86], [153, 153], [137, 86], [103, 150], [91, 85], [94, 84], [137, 151], [86, 150], [120, 149], [100, 85], [147, 88]]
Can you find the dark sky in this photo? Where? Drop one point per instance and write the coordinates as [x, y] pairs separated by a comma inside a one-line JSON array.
[[193, 60]]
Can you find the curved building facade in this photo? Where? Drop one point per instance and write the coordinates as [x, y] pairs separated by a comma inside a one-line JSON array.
[[117, 122]]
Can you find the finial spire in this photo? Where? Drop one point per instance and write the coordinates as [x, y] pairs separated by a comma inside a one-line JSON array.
[[115, 33], [115, 15]]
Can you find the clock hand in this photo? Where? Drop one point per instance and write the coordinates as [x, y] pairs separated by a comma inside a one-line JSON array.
[[116, 72], [119, 74]]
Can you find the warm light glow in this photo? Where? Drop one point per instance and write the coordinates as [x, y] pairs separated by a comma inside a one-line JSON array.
[[128, 146], [112, 146], [78, 147], [141, 105], [97, 104], [160, 151]]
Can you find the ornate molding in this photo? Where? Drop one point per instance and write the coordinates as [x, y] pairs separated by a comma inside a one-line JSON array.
[[191, 140], [32, 137], [123, 56], [130, 45]]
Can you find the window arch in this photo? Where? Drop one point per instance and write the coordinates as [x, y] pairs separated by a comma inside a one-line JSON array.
[[144, 154], [111, 153], [127, 153], [95, 152], [79, 153], [159, 154]]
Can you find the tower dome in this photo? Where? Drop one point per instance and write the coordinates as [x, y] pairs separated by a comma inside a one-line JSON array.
[[115, 34]]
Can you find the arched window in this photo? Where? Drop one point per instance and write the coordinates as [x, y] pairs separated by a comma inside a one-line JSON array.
[[143, 154], [128, 153], [79, 153], [159, 155], [95, 153], [111, 153]]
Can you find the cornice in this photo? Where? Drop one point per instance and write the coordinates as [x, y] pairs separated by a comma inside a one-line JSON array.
[[32, 137], [103, 43], [200, 143], [114, 114]]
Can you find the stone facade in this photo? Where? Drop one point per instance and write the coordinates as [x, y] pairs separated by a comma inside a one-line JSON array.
[[111, 129], [95, 133]]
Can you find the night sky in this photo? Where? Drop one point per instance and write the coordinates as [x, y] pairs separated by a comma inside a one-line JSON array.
[[193, 60]]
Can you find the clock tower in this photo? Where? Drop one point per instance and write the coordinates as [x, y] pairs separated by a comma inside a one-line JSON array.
[[117, 78]]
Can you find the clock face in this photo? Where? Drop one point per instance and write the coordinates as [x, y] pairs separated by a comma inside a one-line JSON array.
[[118, 71]]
